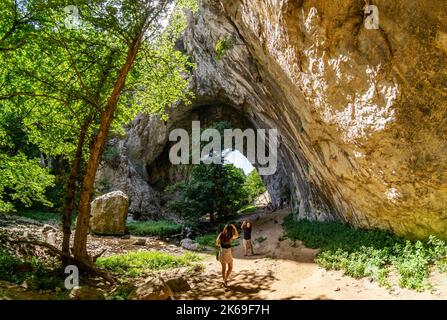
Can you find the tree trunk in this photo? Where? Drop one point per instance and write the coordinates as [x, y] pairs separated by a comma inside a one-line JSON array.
[[71, 191], [82, 226]]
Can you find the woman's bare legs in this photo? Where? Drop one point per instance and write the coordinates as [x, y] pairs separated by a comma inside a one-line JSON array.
[[230, 268], [224, 267]]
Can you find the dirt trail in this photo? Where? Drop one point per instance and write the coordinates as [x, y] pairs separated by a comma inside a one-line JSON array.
[[280, 270]]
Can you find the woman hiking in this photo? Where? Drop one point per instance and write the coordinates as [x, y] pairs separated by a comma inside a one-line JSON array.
[[225, 256], [248, 245]]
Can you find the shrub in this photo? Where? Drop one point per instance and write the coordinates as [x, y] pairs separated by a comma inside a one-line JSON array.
[[161, 228], [208, 240]]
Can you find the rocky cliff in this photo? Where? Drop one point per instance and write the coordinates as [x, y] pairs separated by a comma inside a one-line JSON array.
[[362, 113]]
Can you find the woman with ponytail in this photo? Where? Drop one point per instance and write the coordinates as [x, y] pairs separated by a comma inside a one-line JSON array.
[[225, 256]]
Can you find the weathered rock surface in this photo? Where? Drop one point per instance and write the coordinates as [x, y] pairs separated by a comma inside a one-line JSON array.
[[86, 293], [152, 289], [109, 213], [189, 244], [178, 284], [361, 113]]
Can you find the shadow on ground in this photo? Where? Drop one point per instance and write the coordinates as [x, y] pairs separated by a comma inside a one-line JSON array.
[[244, 284]]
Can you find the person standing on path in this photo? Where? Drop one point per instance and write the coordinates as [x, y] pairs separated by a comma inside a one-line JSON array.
[[225, 255], [248, 245]]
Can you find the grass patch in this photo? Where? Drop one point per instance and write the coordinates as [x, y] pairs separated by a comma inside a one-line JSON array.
[[261, 239], [134, 264], [41, 216], [161, 228], [370, 253], [248, 209]]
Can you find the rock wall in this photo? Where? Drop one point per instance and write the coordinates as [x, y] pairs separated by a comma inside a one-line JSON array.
[[362, 113]]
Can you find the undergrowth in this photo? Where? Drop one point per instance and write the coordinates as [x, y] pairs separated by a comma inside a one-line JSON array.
[[371, 253], [32, 272], [161, 228], [135, 264]]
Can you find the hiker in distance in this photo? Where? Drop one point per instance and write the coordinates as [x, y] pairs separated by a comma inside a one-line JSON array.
[[248, 245], [223, 241]]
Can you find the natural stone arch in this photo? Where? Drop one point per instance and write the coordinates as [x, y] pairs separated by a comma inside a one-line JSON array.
[[161, 172]]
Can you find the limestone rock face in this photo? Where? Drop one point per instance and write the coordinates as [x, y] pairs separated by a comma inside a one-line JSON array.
[[109, 213], [361, 113]]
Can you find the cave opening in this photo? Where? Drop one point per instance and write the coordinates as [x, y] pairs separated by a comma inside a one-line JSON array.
[[161, 173]]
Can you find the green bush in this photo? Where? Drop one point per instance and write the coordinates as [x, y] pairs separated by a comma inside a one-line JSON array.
[[138, 263], [161, 228], [254, 185], [208, 240], [370, 253]]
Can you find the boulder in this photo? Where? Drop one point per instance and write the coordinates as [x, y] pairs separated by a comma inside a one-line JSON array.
[[48, 228], [188, 244], [109, 213], [178, 285], [153, 289], [86, 293], [139, 242]]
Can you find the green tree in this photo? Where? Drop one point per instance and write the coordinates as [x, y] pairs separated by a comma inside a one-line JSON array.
[[204, 194], [77, 85], [254, 185]]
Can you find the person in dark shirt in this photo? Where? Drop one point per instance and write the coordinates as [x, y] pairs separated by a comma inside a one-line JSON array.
[[223, 241], [248, 245]]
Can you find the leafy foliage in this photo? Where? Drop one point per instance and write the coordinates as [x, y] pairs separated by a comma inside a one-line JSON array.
[[254, 185], [54, 79], [211, 189], [207, 240], [370, 253], [160, 228], [22, 180], [138, 263]]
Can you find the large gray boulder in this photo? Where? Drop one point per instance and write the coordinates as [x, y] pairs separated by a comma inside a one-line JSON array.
[[109, 213], [189, 244]]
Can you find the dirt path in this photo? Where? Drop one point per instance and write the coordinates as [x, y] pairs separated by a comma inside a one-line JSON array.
[[282, 271]]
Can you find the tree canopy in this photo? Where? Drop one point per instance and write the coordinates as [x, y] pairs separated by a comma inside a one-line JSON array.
[[69, 85]]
